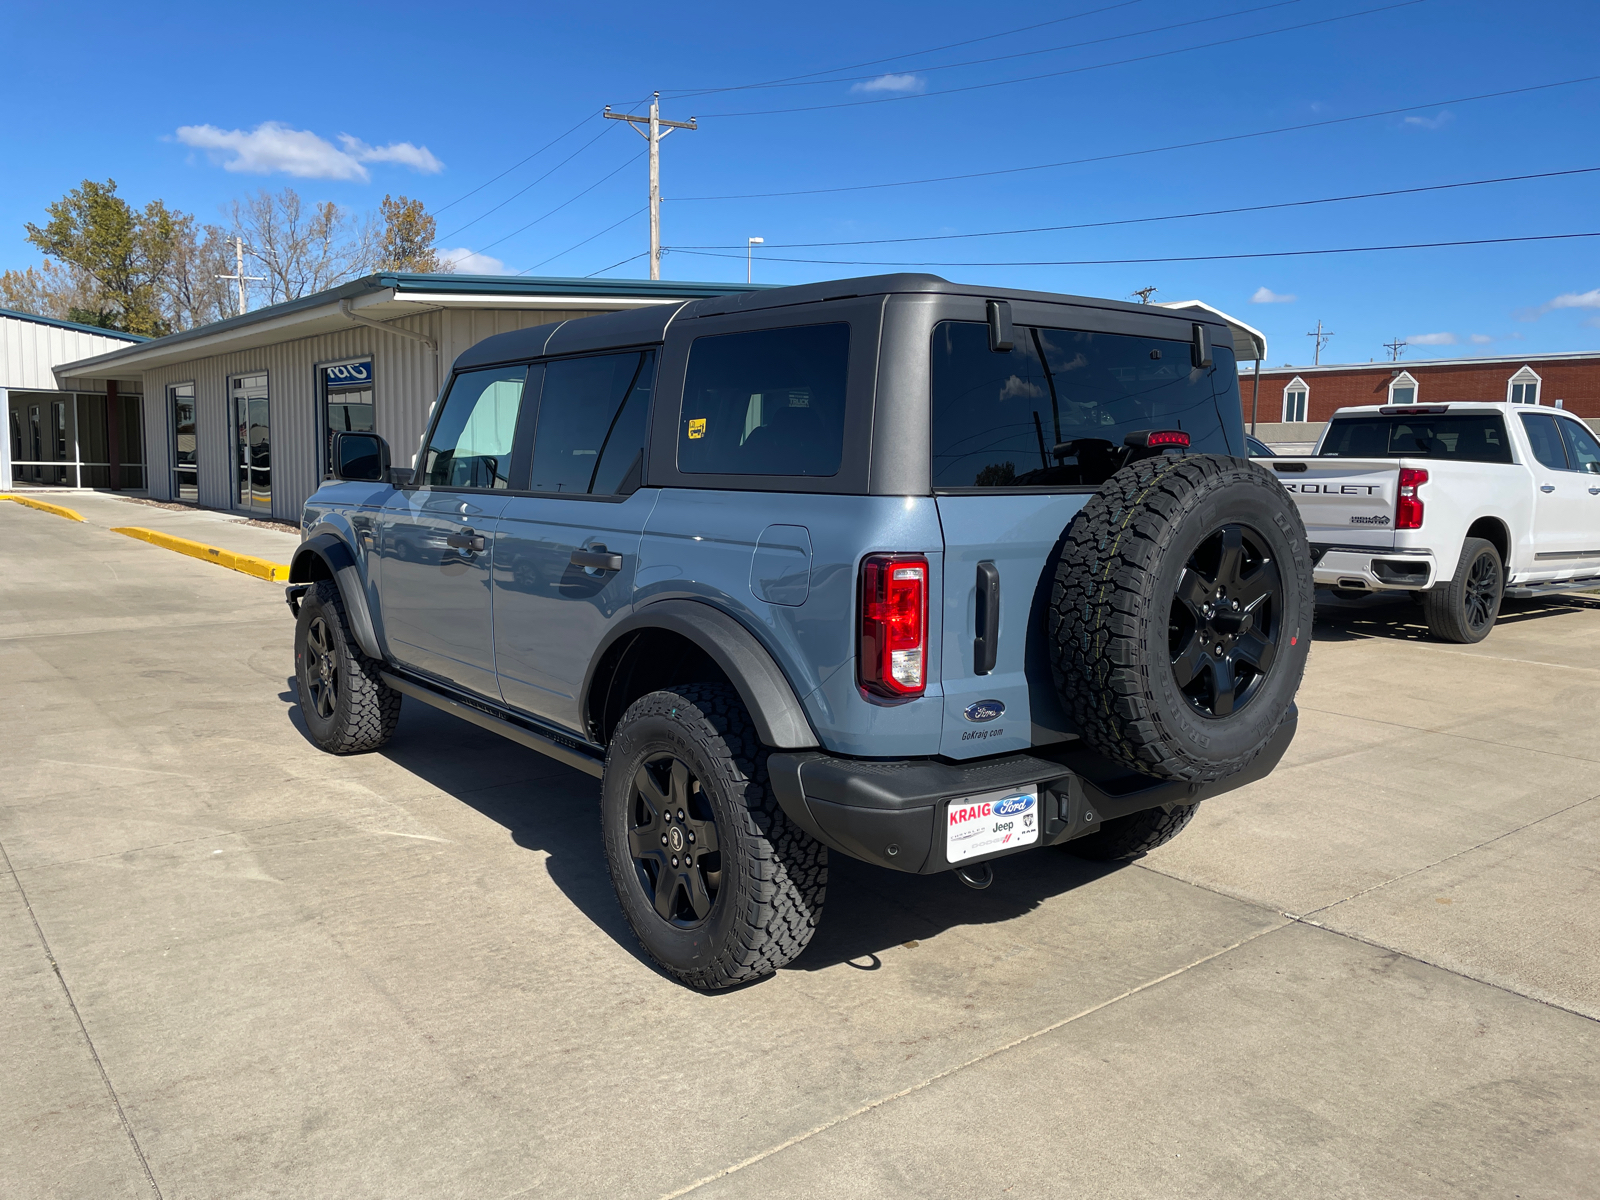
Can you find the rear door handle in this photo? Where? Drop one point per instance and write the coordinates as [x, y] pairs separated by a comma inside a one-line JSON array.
[[986, 646], [1547, 487], [598, 558], [465, 540]]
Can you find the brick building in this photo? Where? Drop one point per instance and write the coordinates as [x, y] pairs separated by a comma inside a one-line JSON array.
[[1311, 394]]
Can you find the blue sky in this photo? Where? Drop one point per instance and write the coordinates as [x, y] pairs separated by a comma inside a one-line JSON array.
[[436, 100]]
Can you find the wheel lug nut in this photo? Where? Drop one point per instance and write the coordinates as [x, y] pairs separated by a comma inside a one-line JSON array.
[[663, 839], [691, 837], [674, 861], [680, 814]]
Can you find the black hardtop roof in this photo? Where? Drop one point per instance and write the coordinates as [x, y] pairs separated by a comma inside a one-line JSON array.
[[644, 326]]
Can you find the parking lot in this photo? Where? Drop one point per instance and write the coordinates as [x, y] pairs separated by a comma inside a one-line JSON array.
[[232, 966]]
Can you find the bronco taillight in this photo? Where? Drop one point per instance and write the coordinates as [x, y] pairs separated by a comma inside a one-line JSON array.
[[1408, 508], [892, 655]]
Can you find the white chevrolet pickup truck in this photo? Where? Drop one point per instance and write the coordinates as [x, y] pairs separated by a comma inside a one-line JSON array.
[[1459, 503]]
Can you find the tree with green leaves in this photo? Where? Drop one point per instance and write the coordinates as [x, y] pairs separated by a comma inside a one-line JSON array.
[[123, 253], [408, 235]]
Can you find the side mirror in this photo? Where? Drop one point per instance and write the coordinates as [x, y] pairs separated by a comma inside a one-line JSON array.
[[360, 458]]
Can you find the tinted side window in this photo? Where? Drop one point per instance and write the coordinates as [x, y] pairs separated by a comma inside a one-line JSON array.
[[1544, 439], [591, 422], [1582, 449], [768, 402], [1471, 437], [470, 446], [1053, 411]]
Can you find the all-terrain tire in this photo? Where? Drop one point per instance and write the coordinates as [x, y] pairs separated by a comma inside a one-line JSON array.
[[1133, 836], [347, 707], [1464, 610], [770, 876], [1158, 673]]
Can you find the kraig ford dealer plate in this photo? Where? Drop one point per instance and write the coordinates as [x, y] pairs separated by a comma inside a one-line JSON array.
[[991, 822]]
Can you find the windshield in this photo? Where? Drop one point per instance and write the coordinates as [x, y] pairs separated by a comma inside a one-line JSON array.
[[1053, 411], [1468, 437]]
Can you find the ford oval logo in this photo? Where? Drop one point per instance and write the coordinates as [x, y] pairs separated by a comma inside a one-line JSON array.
[[1012, 805], [985, 710]]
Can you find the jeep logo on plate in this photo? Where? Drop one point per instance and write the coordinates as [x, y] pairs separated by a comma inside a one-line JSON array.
[[985, 710]]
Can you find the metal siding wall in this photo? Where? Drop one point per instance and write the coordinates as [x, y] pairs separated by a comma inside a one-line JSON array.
[[28, 351]]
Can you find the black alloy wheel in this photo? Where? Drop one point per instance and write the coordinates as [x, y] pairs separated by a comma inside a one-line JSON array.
[[1224, 625], [322, 673], [672, 838], [1483, 592]]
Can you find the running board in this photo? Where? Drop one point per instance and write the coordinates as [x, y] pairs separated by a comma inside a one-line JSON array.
[[1553, 589], [589, 764]]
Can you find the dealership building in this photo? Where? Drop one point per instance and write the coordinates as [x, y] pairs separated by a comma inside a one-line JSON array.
[[57, 435], [240, 414]]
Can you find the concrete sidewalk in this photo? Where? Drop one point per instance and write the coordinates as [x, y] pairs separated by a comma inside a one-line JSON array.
[[232, 966], [227, 531]]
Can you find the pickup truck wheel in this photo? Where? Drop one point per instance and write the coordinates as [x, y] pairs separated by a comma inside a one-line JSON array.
[[1122, 839], [1180, 615], [346, 705], [718, 885], [1465, 609]]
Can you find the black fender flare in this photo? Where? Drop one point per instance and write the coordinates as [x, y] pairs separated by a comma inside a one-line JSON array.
[[779, 718], [326, 556]]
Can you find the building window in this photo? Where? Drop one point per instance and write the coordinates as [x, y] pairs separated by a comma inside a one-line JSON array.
[[346, 403], [1403, 389], [1295, 396], [1523, 387], [185, 443]]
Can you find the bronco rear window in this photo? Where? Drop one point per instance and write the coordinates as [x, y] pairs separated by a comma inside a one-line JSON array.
[[1468, 437], [1053, 411]]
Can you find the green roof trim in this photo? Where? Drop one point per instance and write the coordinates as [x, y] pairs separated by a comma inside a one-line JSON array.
[[59, 324]]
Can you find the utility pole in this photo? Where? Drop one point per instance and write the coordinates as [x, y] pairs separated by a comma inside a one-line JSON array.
[[1144, 293], [750, 245], [238, 273], [1321, 336], [658, 129], [1394, 348]]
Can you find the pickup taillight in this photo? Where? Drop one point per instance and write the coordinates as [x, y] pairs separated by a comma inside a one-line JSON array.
[[1408, 508], [892, 653]]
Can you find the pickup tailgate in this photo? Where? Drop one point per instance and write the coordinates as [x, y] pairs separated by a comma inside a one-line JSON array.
[[1343, 501]]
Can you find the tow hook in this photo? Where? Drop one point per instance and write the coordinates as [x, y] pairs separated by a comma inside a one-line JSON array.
[[977, 877]]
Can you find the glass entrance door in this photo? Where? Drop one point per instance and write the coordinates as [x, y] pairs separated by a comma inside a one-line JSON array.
[[252, 442]]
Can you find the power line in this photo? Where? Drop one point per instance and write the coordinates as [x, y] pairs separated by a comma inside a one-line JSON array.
[[1077, 162], [1116, 37], [789, 79], [520, 191], [974, 87], [615, 265], [586, 241], [1214, 212], [1117, 262], [627, 163], [514, 166]]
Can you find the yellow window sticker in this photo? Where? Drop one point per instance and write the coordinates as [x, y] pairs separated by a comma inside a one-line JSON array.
[[697, 427]]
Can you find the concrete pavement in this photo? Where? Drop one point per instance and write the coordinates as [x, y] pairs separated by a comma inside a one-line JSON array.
[[404, 974]]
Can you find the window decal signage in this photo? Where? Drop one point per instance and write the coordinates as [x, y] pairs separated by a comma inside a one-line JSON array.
[[350, 373]]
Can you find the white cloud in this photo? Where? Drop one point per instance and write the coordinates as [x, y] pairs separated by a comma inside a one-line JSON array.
[[470, 262], [1439, 122], [1481, 339], [889, 83], [272, 148], [1431, 339], [1265, 295], [1589, 299]]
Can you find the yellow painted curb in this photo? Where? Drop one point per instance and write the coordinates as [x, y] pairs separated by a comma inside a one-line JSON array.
[[42, 506], [245, 563]]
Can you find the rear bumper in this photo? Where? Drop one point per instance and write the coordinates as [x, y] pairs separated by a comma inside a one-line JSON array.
[[1358, 569], [893, 813]]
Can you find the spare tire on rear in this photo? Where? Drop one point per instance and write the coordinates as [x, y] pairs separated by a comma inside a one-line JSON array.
[[1180, 615]]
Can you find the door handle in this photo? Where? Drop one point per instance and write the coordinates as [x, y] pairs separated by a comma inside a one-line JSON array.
[[465, 540], [1594, 491], [986, 646], [1547, 487], [598, 558]]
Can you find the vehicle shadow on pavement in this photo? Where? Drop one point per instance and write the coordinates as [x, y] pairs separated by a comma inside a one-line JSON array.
[[1398, 617], [548, 807]]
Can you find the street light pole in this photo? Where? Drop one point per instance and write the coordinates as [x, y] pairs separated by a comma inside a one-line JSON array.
[[749, 257]]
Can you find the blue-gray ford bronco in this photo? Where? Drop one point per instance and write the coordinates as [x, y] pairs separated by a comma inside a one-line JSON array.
[[922, 573]]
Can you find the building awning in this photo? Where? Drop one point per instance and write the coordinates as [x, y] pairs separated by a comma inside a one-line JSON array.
[[384, 297], [1248, 342]]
